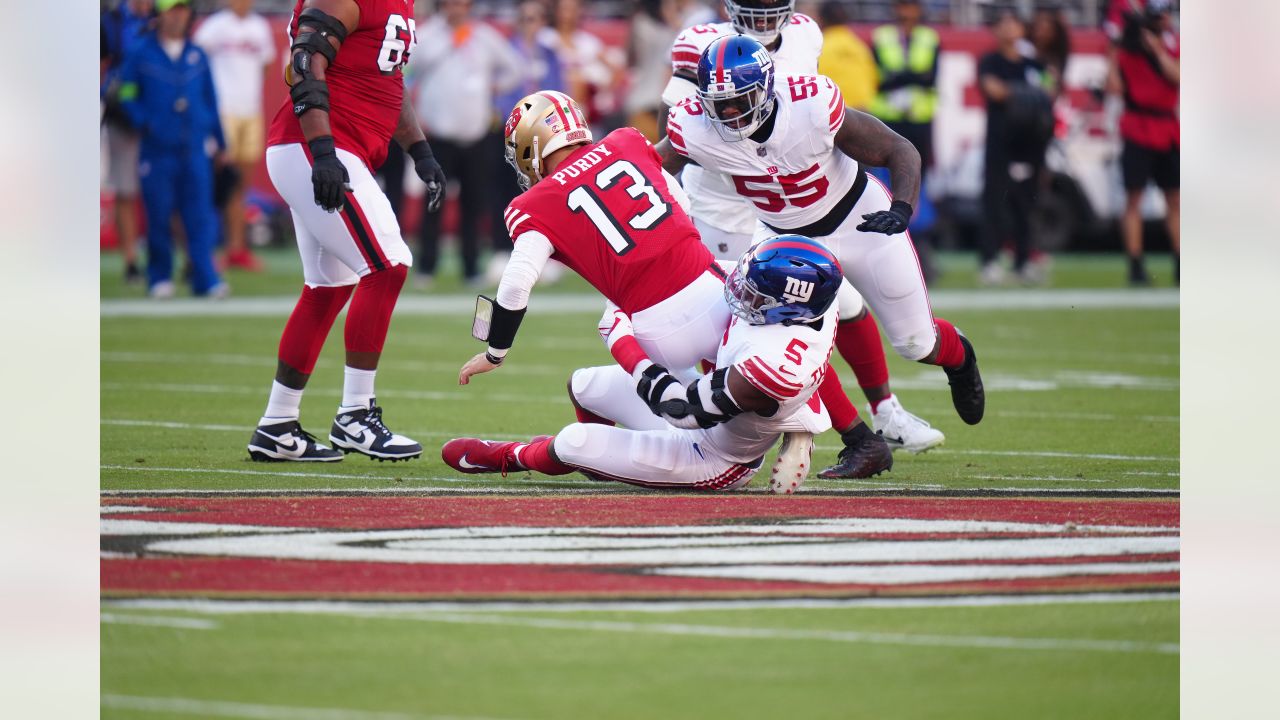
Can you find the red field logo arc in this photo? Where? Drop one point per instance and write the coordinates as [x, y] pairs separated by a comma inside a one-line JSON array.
[[632, 547]]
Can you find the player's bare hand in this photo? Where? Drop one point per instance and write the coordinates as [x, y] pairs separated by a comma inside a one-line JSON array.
[[475, 366]]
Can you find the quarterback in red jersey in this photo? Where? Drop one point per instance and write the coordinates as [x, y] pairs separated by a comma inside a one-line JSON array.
[[607, 210], [346, 102]]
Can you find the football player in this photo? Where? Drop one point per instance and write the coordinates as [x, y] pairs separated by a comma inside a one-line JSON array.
[[795, 152], [710, 433], [726, 220], [608, 210], [346, 102]]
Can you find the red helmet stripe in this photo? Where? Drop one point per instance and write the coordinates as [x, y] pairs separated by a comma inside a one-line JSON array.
[[720, 61], [792, 244], [564, 117]]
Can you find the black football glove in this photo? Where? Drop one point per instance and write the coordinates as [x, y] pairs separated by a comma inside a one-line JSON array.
[[329, 177], [890, 222], [664, 395], [424, 163]]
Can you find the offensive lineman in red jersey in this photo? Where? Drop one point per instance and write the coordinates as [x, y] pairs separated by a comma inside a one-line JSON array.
[[346, 102], [612, 214]]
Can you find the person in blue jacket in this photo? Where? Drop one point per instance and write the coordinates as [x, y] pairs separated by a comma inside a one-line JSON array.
[[167, 90]]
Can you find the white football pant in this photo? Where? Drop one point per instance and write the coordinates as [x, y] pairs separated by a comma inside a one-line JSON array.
[[337, 248]]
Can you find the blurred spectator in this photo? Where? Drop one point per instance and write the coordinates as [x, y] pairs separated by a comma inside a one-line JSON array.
[[167, 89], [241, 51], [120, 29], [1051, 41], [696, 12], [1145, 70], [653, 29], [906, 55], [590, 74], [542, 72], [845, 58], [459, 65], [1019, 127]]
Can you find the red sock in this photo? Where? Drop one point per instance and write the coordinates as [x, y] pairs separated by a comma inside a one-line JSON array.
[[309, 325], [950, 351], [843, 413], [370, 313], [537, 456], [859, 344], [628, 353]]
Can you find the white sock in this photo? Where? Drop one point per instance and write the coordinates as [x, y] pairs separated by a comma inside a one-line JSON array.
[[282, 405], [357, 389]]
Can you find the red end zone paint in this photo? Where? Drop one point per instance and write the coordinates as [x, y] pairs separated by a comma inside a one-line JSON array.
[[718, 546]]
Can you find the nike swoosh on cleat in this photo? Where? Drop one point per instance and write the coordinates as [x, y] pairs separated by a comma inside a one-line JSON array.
[[462, 462]]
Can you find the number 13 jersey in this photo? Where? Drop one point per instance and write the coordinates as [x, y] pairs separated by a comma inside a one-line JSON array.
[[365, 81], [796, 176], [610, 217]]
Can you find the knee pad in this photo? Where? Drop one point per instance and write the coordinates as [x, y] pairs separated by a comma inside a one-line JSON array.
[[915, 346], [849, 302], [573, 444]]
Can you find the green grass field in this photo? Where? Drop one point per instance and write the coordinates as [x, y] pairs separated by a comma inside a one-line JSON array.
[[1081, 399]]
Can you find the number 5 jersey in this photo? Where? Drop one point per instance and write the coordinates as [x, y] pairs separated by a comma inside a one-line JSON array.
[[609, 215], [366, 84]]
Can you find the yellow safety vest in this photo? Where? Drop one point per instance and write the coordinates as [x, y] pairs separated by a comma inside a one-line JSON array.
[[919, 58]]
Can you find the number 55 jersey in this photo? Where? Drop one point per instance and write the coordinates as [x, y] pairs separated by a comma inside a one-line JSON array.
[[610, 216], [795, 179]]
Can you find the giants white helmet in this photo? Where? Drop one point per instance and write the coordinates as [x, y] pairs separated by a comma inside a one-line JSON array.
[[762, 20], [539, 125]]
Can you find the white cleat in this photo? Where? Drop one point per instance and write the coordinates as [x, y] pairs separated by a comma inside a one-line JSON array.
[[792, 466], [902, 430]]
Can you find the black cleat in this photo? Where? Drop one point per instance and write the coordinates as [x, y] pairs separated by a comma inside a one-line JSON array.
[[132, 275], [966, 386], [362, 431], [287, 441], [865, 455]]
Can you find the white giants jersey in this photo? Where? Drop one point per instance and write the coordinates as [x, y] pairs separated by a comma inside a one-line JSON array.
[[796, 176], [785, 362], [713, 198]]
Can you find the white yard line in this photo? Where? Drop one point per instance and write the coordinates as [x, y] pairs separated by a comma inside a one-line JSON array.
[[546, 486], [462, 306], [223, 708], [160, 621], [345, 607], [269, 361], [211, 389], [845, 636]]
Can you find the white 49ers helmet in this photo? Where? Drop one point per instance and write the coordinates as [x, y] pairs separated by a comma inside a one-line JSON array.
[[539, 125]]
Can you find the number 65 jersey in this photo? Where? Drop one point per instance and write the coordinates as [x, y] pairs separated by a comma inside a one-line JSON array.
[[796, 177], [365, 81], [610, 216]]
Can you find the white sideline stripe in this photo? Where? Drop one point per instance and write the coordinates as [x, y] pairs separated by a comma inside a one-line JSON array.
[[331, 392], [159, 621], [346, 607], [463, 305], [265, 361], [544, 485], [846, 636], [223, 708], [435, 434], [114, 526], [913, 574]]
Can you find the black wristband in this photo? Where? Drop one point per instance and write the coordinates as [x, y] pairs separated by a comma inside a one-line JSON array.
[[321, 146], [902, 208], [491, 358], [420, 151], [503, 327]]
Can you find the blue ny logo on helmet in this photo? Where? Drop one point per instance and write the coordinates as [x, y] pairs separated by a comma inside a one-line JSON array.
[[786, 279], [735, 85]]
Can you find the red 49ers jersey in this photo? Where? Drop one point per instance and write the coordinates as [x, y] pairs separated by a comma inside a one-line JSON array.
[[366, 84], [610, 217]]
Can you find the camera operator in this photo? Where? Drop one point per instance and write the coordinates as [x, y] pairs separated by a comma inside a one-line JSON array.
[[1144, 71]]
